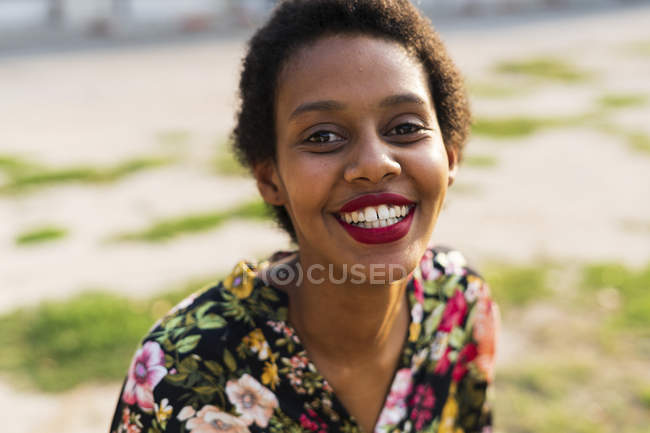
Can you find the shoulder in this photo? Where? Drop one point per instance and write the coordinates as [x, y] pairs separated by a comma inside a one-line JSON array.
[[464, 343], [217, 317], [199, 352], [444, 271], [465, 313]]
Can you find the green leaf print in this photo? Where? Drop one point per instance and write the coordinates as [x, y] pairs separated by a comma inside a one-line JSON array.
[[173, 323], [229, 360], [205, 390], [451, 285], [188, 343], [457, 338], [214, 367], [188, 365], [176, 379], [432, 322], [211, 321], [203, 309]]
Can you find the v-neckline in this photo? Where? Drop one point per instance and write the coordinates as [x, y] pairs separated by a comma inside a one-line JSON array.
[[281, 309]]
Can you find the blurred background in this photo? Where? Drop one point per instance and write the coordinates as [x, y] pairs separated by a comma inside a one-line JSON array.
[[119, 196]]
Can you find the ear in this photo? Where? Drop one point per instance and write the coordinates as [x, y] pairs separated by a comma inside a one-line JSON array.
[[452, 157], [268, 183]]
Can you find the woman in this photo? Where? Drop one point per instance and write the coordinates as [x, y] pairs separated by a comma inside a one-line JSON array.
[[353, 121]]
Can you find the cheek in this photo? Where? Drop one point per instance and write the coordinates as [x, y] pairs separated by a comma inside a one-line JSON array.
[[430, 170], [309, 180]]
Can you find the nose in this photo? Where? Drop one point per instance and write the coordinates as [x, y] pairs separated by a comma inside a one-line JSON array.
[[372, 160]]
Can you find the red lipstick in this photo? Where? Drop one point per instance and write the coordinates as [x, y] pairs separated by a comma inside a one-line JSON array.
[[375, 200], [379, 235]]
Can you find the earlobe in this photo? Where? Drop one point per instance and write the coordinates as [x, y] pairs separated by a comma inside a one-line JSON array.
[[268, 183], [452, 157]]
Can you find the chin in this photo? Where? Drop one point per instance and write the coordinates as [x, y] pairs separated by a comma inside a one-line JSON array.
[[388, 267]]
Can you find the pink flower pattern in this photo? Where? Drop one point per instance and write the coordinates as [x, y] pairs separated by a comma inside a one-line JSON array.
[[465, 356], [422, 403], [312, 422], [454, 313], [146, 371]]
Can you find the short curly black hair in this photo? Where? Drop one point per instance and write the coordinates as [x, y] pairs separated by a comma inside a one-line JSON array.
[[295, 24]]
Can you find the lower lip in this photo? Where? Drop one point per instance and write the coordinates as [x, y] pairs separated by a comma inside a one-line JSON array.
[[380, 235]]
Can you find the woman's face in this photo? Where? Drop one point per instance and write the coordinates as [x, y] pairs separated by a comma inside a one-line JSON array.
[[357, 134]]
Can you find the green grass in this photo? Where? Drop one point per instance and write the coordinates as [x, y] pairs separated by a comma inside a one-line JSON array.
[[480, 161], [89, 338], [494, 91], [509, 127], [555, 384], [550, 380], [27, 176], [518, 286], [552, 389], [546, 68], [12, 165], [622, 100], [170, 228], [519, 410], [644, 396], [638, 141], [225, 162], [41, 235], [633, 285], [520, 126]]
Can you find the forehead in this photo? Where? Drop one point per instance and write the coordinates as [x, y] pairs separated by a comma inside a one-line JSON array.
[[356, 70]]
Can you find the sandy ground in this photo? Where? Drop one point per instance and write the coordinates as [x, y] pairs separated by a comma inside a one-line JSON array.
[[566, 194]]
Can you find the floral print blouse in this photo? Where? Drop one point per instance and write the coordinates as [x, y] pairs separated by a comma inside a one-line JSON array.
[[226, 360]]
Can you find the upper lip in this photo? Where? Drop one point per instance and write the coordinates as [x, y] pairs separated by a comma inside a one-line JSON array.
[[375, 200]]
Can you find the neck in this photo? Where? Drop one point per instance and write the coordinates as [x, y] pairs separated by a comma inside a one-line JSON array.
[[336, 320]]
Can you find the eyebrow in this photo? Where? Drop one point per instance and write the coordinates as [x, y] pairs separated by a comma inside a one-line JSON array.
[[330, 105], [317, 106], [405, 98]]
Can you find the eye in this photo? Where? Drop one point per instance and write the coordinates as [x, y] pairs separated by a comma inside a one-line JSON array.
[[323, 137], [405, 129]]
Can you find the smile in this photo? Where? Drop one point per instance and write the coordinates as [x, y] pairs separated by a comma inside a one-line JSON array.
[[377, 218]]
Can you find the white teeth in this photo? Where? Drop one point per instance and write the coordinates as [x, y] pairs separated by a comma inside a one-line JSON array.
[[374, 217], [370, 214]]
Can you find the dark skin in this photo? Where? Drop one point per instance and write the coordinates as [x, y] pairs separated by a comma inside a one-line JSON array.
[[360, 378], [377, 132]]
